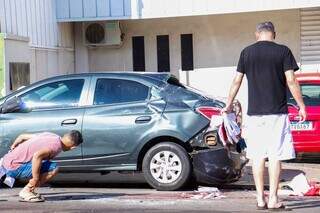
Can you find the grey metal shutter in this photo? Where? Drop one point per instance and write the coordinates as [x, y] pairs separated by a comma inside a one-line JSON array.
[[310, 36]]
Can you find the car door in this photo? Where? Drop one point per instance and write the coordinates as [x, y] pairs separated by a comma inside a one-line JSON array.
[[306, 135], [56, 107], [121, 113]]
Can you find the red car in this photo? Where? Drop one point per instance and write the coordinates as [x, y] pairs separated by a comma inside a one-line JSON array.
[[306, 135]]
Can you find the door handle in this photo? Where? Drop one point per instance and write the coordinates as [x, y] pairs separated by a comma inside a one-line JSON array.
[[143, 119], [69, 122]]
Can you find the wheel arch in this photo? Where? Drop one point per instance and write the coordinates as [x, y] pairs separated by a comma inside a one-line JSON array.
[[156, 141]]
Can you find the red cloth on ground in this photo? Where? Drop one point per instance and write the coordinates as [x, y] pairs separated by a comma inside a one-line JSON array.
[[314, 189]]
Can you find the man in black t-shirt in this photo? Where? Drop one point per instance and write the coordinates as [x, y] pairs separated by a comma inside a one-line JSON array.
[[269, 68]]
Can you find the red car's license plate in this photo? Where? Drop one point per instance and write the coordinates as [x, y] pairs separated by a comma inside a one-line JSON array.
[[304, 126]]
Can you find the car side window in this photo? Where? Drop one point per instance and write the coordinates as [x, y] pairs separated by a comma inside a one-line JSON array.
[[112, 91], [310, 94], [54, 95]]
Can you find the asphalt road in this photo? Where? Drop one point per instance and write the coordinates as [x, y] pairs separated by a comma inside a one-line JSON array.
[[87, 199], [129, 193]]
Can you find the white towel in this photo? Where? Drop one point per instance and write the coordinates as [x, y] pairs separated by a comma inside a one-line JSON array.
[[232, 128], [226, 123], [9, 181]]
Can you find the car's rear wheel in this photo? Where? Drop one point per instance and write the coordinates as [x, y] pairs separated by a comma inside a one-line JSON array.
[[166, 166]]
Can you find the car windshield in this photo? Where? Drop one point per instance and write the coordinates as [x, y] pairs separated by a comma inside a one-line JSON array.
[[310, 94]]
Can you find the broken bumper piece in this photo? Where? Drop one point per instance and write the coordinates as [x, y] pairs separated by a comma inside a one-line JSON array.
[[218, 166]]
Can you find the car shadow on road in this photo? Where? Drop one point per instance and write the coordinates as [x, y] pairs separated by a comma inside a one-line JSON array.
[[75, 184], [63, 196]]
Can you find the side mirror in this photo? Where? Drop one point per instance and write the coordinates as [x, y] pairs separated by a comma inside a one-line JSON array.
[[13, 105]]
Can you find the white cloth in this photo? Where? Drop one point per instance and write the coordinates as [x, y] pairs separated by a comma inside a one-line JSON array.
[[227, 124], [3, 171], [215, 122], [9, 181], [269, 136], [232, 128], [299, 184]]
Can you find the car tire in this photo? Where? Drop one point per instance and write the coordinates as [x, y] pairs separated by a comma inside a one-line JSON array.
[[166, 166]]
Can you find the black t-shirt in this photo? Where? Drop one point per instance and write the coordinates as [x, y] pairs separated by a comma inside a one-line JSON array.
[[265, 63]]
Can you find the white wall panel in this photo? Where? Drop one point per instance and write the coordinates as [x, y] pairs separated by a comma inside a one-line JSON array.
[[42, 21], [14, 20], [89, 8], [140, 9], [103, 8], [127, 7], [62, 8], [2, 16], [77, 11], [47, 26], [35, 19], [24, 17], [19, 17], [310, 36], [7, 6], [117, 8], [34, 36]]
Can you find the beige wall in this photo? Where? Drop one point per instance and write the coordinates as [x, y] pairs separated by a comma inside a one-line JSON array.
[[14, 45], [47, 63], [218, 41], [44, 61]]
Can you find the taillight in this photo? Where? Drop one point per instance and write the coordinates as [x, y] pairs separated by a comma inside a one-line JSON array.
[[208, 112]]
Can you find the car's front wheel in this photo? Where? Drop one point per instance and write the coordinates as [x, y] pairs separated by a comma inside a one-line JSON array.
[[166, 166]]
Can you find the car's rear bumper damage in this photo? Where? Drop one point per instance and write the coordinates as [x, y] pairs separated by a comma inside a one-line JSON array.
[[218, 166], [212, 162]]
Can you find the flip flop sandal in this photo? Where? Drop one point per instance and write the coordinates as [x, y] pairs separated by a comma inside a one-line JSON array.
[[265, 207], [31, 199], [36, 194], [281, 208]]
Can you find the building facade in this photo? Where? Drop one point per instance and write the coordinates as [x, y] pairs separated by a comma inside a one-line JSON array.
[[199, 41], [35, 46]]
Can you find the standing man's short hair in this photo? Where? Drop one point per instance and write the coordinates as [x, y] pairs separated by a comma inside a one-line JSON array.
[[265, 27]]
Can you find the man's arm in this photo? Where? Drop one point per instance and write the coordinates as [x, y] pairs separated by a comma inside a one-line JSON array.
[[294, 88], [37, 159], [236, 83], [20, 139]]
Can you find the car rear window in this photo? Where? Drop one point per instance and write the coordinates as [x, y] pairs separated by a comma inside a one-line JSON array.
[[310, 94], [114, 91], [174, 81]]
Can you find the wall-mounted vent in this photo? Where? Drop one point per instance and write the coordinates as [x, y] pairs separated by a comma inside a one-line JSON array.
[[102, 34]]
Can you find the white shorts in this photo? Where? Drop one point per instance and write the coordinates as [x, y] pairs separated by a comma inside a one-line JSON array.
[[269, 136]]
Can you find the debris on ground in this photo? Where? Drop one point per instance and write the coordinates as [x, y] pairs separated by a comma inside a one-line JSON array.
[[300, 186], [204, 193]]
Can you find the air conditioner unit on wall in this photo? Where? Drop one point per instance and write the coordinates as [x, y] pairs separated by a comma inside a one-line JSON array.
[[106, 33]]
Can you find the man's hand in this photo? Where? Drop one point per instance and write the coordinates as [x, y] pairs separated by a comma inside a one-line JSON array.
[[20, 139], [226, 109], [302, 114]]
